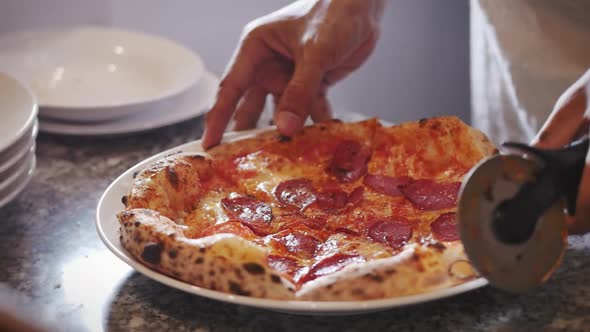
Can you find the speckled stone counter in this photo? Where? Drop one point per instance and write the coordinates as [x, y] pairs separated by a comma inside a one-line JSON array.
[[51, 255]]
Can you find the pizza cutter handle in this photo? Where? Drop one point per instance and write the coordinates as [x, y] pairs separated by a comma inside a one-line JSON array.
[[565, 165]]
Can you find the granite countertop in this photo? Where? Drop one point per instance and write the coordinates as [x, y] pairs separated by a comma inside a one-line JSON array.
[[51, 255]]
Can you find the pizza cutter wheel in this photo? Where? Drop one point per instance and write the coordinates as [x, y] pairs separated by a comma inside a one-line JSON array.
[[512, 209]]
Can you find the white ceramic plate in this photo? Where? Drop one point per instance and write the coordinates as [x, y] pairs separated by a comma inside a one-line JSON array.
[[192, 103], [108, 229], [97, 73], [18, 111], [9, 192]]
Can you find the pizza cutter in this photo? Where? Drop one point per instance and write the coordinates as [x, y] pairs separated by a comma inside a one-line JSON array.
[[512, 212]]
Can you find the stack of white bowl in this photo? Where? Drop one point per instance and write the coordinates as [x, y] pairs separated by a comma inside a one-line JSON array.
[[18, 131], [92, 80]]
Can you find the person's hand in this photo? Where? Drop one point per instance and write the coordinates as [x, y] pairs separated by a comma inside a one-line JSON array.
[[293, 54], [570, 120]]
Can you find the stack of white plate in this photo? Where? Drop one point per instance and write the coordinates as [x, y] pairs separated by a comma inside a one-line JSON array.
[[100, 80], [18, 131]]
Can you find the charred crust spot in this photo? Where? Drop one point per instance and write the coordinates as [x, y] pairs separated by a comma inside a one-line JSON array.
[[121, 238], [213, 285], [375, 277], [202, 250], [172, 177], [211, 273], [275, 278], [238, 273], [329, 286], [172, 253], [495, 151], [199, 260], [390, 271], [435, 125], [290, 289], [124, 200], [437, 246], [358, 291], [283, 139], [322, 128], [172, 235], [253, 268], [235, 288], [135, 174], [336, 121], [152, 253], [415, 257], [137, 223], [176, 274], [197, 157], [422, 122]]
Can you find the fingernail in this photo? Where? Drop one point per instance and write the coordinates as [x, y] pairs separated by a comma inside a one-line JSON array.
[[288, 123]]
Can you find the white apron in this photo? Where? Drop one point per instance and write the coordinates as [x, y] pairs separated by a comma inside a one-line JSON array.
[[524, 55]]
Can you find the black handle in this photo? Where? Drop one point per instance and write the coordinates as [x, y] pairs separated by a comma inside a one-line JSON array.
[[565, 165], [514, 220]]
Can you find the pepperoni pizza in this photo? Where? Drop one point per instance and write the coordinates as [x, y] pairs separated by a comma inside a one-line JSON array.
[[341, 211]]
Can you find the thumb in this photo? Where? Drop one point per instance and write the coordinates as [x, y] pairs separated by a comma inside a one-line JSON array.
[[296, 101]]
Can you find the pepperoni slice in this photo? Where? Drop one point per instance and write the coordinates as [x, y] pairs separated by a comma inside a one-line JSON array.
[[332, 200], [356, 196], [229, 227], [296, 192], [429, 195], [298, 243], [330, 265], [444, 228], [393, 232], [350, 161], [336, 199], [253, 213], [317, 223], [386, 185], [283, 264]]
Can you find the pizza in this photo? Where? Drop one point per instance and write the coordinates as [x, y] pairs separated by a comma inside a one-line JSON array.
[[341, 211]]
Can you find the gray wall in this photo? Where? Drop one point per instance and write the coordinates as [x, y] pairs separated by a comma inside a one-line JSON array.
[[419, 69]]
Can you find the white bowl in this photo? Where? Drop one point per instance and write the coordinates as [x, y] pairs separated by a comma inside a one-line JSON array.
[[9, 191], [18, 111], [9, 155], [97, 73]]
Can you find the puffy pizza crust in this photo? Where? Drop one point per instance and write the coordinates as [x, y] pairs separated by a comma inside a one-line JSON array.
[[222, 262], [166, 192]]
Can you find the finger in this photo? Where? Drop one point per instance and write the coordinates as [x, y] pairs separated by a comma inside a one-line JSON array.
[[295, 103], [581, 222], [274, 76], [321, 110], [564, 122], [238, 78], [250, 108]]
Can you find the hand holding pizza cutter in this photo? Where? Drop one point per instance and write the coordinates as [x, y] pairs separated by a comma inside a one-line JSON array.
[[512, 211]]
